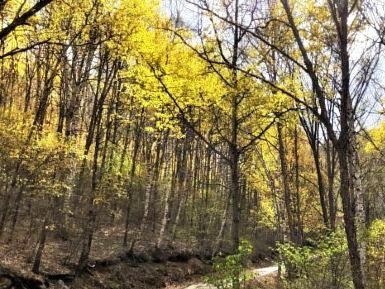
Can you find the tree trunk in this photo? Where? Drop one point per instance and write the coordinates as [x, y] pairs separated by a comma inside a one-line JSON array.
[[330, 161], [15, 214], [298, 220], [90, 220], [40, 249], [4, 210], [321, 187], [138, 134], [359, 204], [286, 187], [235, 194], [222, 228], [350, 228]]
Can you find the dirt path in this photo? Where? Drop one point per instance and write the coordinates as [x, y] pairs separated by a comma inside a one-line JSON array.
[[257, 273], [265, 271]]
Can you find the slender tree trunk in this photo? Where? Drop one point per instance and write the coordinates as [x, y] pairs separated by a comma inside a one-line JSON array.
[[90, 220], [330, 160], [359, 204], [4, 210], [138, 134], [298, 222], [147, 198], [235, 193], [41, 245], [286, 186], [222, 228], [181, 183], [350, 228], [160, 155], [347, 147], [167, 204], [312, 129], [321, 187], [165, 219], [15, 213]]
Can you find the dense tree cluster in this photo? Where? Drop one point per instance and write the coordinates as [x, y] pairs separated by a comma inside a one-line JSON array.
[[129, 124]]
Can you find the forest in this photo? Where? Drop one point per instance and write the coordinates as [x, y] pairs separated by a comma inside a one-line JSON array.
[[213, 144]]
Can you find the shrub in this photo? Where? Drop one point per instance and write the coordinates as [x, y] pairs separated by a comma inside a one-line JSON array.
[[323, 264], [230, 272], [376, 254]]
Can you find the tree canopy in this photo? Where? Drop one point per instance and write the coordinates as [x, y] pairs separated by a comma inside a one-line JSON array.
[[144, 125]]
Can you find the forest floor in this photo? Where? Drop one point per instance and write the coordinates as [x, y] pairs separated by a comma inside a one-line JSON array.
[[261, 278], [177, 271], [115, 272], [111, 267]]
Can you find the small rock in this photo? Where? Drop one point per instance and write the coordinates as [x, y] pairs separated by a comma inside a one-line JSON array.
[[195, 266], [62, 285], [5, 282]]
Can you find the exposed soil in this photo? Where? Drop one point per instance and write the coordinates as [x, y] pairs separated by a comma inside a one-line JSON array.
[[148, 275], [261, 278], [110, 268], [121, 272]]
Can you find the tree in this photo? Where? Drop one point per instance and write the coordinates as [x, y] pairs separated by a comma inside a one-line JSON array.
[[240, 107]]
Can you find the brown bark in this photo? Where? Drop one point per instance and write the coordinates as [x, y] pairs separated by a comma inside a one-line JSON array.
[[287, 195], [41, 244], [137, 141]]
